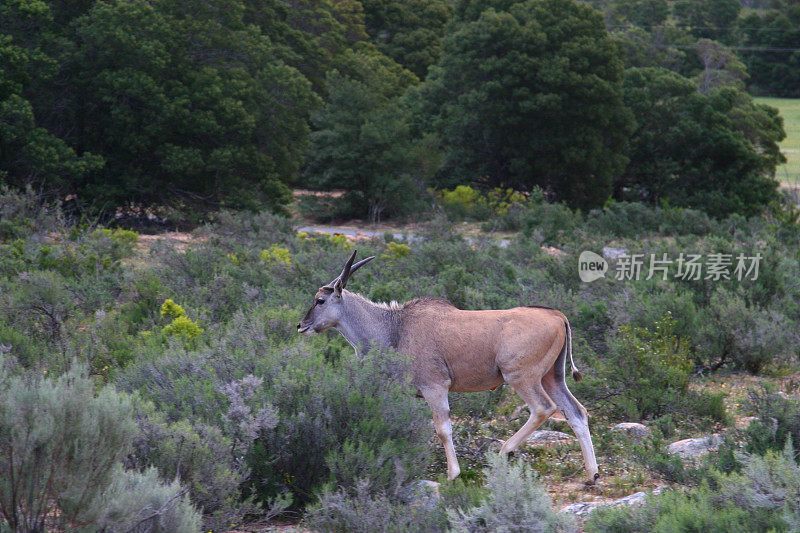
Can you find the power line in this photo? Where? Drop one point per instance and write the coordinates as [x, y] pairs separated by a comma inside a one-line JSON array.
[[741, 48], [644, 27], [745, 48]]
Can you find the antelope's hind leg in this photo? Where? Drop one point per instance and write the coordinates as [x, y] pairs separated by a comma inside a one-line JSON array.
[[577, 418], [436, 397], [540, 405]]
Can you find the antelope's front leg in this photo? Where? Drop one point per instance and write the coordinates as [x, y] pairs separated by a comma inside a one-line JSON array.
[[437, 400]]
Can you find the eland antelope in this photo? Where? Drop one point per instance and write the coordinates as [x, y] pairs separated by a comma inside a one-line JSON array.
[[464, 351]]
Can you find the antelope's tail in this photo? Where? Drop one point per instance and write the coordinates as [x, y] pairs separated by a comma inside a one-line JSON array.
[[576, 375]]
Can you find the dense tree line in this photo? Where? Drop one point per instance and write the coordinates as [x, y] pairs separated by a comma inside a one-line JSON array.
[[231, 103]]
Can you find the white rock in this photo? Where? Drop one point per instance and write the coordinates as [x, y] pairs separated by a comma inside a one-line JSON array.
[[584, 509], [632, 429], [689, 448], [581, 509], [637, 498], [549, 437]]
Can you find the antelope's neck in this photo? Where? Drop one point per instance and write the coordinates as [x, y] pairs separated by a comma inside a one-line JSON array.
[[365, 324]]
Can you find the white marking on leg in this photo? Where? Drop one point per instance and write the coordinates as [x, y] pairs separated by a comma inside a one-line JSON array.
[[578, 420], [437, 400]]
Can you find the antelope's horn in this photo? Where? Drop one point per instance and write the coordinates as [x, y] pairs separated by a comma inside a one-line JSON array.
[[347, 269], [361, 263]]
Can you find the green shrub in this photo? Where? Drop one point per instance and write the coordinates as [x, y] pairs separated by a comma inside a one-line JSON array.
[[341, 417], [765, 496], [25, 350], [645, 303], [778, 420], [123, 241], [183, 327], [652, 453], [104, 344], [248, 226], [464, 202], [203, 410], [122, 236], [140, 503], [657, 368], [396, 251], [656, 372], [515, 501], [276, 255], [551, 221], [340, 422], [24, 212], [40, 303], [635, 220], [745, 336], [171, 310], [671, 511], [201, 456], [77, 253], [59, 446], [363, 511], [414, 508]]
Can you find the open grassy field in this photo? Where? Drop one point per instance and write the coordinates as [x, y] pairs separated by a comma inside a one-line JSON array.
[[790, 111]]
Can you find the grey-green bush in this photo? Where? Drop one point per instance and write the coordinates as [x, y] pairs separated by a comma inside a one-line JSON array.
[[59, 445], [657, 367], [140, 503], [778, 420], [745, 336], [24, 212], [516, 501], [341, 421], [765, 496], [361, 510]]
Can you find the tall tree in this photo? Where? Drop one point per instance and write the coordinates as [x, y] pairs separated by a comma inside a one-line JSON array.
[[709, 19], [408, 31], [309, 35], [362, 141], [528, 94], [770, 50], [187, 103], [33, 151], [716, 151]]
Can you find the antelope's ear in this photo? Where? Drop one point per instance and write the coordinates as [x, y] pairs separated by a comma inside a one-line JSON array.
[[338, 286]]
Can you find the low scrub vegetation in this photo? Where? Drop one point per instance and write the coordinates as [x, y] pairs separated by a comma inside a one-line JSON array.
[[214, 408]]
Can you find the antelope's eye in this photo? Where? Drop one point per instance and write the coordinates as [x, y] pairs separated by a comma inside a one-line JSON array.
[[320, 301]]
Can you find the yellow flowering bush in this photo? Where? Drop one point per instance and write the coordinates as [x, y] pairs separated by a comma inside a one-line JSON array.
[[464, 201], [340, 240], [181, 325], [395, 251], [172, 310], [122, 236], [276, 255]]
